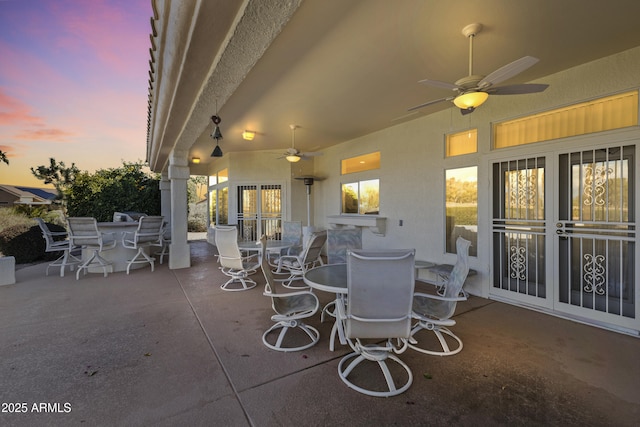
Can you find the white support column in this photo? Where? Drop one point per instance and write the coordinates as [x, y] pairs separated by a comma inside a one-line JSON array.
[[179, 251], [165, 197]]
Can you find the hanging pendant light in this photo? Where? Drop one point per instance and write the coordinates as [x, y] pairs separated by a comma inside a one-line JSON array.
[[217, 135]]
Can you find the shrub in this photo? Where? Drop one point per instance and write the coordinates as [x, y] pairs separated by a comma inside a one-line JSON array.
[[196, 225], [25, 243]]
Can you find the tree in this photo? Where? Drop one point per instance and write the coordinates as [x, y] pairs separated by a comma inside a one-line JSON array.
[[127, 188], [57, 174], [3, 157]]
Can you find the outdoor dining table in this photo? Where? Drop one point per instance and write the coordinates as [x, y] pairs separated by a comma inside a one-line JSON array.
[[119, 255], [272, 246], [330, 278]]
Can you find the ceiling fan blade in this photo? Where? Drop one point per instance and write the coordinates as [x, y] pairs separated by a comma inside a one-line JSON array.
[[438, 83], [311, 154], [507, 71], [431, 103], [518, 89]]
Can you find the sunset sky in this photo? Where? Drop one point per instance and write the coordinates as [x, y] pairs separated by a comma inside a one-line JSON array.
[[73, 84]]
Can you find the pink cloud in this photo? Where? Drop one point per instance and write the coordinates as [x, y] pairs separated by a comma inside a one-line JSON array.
[[50, 134], [13, 111]]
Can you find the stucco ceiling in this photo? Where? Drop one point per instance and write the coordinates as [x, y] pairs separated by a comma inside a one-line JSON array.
[[342, 69]]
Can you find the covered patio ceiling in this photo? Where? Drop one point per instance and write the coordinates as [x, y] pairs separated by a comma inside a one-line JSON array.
[[342, 69]]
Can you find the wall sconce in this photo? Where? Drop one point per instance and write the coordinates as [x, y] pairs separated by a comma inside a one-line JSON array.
[[248, 135], [195, 160], [217, 135]]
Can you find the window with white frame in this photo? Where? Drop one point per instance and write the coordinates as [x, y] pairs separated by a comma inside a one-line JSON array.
[[362, 194], [461, 195], [219, 198]]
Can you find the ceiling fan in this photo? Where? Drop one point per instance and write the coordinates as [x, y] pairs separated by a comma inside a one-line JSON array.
[[293, 154], [473, 90]]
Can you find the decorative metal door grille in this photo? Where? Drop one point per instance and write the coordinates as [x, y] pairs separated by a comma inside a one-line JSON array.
[[597, 230], [519, 227], [259, 211]]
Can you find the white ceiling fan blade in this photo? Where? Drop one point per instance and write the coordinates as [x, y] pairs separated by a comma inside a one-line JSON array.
[[311, 154], [507, 71], [518, 89], [431, 103], [438, 83]]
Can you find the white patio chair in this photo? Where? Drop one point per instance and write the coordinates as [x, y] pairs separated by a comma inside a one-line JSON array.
[[339, 240], [433, 312], [290, 309], [296, 265], [380, 290], [57, 241], [148, 234], [232, 263], [292, 235], [84, 233]]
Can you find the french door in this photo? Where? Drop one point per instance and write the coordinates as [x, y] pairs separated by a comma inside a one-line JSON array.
[[564, 233], [259, 211]]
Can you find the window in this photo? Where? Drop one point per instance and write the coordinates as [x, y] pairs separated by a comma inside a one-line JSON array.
[[219, 198], [461, 143], [611, 112], [362, 163], [361, 197], [462, 207]]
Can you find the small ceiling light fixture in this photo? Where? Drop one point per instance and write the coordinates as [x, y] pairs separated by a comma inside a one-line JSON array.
[[195, 160], [470, 100], [217, 135], [248, 135]]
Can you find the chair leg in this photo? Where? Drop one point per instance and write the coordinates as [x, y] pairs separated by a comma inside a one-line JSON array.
[[382, 363], [244, 281], [99, 261], [285, 326], [135, 260], [440, 332]]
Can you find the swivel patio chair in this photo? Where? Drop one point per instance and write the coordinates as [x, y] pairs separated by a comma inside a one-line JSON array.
[[433, 312], [296, 265], [148, 234], [292, 235], [232, 263], [290, 309], [84, 233], [380, 290], [57, 241], [339, 240]]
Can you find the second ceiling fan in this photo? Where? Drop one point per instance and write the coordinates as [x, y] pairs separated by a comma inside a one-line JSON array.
[[293, 154], [473, 90]]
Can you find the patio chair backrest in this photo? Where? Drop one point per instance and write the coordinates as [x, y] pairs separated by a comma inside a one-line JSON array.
[[228, 250], [51, 243], [314, 247], [150, 229], [292, 232], [341, 239], [380, 291], [460, 270], [83, 231]]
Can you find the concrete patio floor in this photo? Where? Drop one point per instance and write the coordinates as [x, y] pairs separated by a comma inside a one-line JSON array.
[[171, 348]]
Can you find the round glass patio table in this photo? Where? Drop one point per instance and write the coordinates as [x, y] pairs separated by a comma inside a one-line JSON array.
[[328, 278], [272, 245]]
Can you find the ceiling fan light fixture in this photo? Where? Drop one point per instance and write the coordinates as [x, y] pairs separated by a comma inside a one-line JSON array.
[[293, 158], [470, 100]]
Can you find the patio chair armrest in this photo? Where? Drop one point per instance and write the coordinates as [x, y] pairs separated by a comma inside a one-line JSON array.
[[58, 233], [439, 297]]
